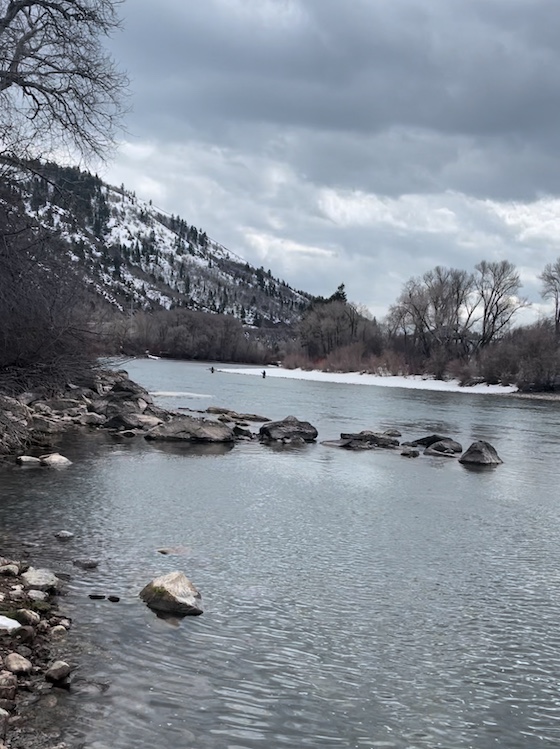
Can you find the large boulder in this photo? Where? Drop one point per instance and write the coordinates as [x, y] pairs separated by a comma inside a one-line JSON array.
[[173, 594], [188, 429], [288, 429], [481, 453]]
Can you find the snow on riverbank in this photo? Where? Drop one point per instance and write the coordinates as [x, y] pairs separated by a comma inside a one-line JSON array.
[[415, 382]]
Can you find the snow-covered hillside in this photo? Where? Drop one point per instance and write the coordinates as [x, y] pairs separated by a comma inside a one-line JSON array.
[[136, 257]]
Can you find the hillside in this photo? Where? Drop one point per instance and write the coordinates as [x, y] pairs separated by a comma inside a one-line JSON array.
[[135, 257]]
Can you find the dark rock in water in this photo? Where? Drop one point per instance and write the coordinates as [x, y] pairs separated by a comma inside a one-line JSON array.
[[97, 596], [188, 429], [86, 564], [113, 599], [410, 452], [242, 432], [287, 429], [481, 453], [174, 594], [373, 439], [427, 441], [447, 448]]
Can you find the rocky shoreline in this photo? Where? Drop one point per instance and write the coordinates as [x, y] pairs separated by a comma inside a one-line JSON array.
[[34, 656]]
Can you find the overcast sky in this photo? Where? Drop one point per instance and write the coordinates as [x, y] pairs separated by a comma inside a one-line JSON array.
[[354, 141]]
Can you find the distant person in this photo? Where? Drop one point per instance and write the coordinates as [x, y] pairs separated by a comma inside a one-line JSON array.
[[212, 370], [264, 373]]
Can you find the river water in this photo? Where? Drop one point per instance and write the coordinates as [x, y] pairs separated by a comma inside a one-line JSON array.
[[351, 599]]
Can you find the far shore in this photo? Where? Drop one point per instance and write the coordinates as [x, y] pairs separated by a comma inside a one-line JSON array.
[[412, 382]]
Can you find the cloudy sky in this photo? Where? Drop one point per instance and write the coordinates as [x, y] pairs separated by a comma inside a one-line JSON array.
[[354, 141]]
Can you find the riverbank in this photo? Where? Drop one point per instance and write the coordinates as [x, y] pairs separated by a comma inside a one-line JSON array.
[[412, 382]]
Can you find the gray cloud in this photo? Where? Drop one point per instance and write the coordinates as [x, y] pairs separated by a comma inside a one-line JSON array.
[[252, 109]]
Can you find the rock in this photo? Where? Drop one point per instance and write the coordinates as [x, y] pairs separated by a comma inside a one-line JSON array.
[[132, 421], [97, 596], [8, 685], [481, 453], [9, 570], [37, 595], [442, 448], [410, 452], [46, 425], [288, 428], [249, 417], [26, 616], [188, 429], [4, 717], [54, 460], [40, 579], [27, 460], [58, 632], [113, 599], [91, 419], [373, 439], [174, 594], [427, 441], [59, 671], [64, 535], [86, 564], [17, 664], [8, 624], [392, 433], [240, 432]]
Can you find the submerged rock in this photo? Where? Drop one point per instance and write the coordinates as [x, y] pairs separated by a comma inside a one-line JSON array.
[[54, 460], [174, 594], [481, 453]]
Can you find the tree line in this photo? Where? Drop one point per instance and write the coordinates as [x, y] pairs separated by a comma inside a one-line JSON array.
[[446, 323]]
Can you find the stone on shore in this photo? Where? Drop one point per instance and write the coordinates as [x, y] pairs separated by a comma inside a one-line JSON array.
[[287, 429], [40, 579], [481, 453], [7, 624], [17, 664], [174, 594], [188, 429]]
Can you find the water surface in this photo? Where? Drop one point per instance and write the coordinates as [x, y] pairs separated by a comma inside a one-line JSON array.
[[351, 599]]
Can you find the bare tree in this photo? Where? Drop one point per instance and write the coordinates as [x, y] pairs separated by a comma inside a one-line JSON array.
[[497, 286], [59, 89], [550, 278]]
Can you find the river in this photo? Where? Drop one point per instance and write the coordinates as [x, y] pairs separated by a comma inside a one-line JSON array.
[[352, 599]]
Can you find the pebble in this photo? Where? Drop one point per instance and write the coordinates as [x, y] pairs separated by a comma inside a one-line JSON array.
[[37, 595]]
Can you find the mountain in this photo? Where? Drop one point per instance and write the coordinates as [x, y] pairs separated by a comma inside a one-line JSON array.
[[134, 256]]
